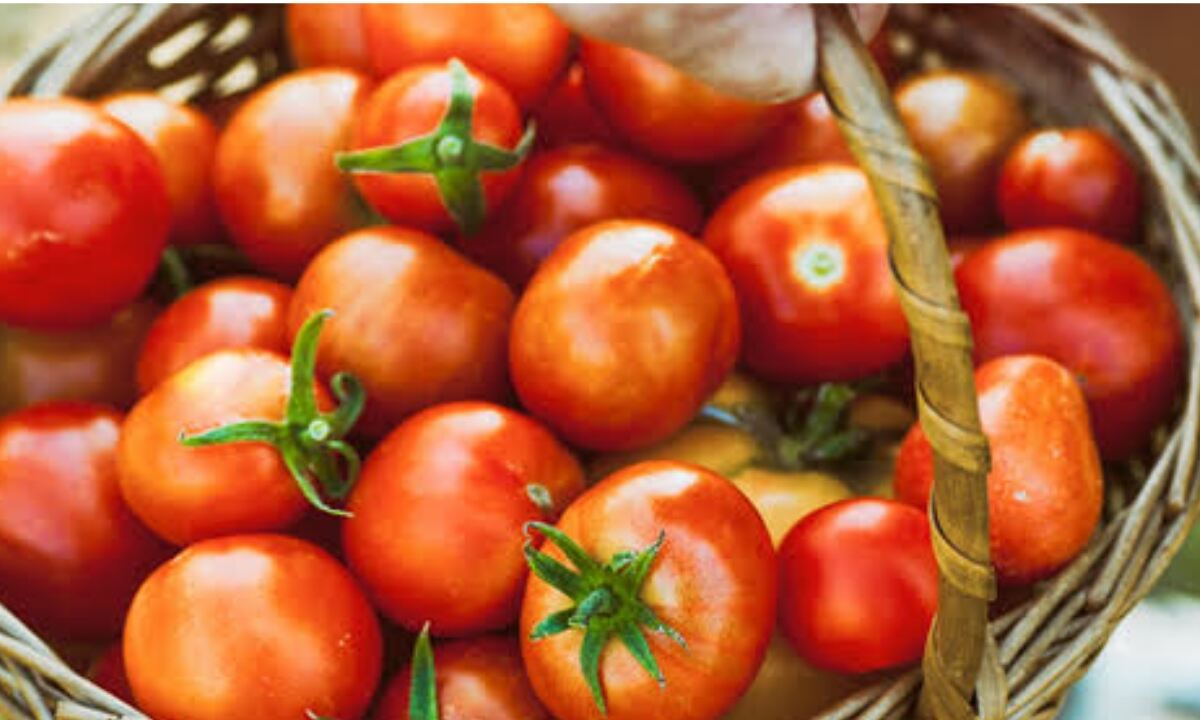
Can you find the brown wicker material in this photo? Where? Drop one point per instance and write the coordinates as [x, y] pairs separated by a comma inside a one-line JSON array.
[[1020, 664]]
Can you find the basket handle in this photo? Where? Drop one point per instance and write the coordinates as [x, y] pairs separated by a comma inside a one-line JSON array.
[[941, 343]]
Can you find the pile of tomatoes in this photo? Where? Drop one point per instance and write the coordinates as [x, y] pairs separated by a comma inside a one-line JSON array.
[[545, 347]]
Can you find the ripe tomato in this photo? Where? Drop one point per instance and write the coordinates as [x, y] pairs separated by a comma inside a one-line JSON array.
[[524, 47], [666, 113], [252, 626], [624, 331], [417, 323], [108, 671], [279, 193], [807, 252], [702, 567], [858, 585], [184, 142], [963, 122], [564, 190], [1077, 177], [327, 35], [93, 364], [435, 532], [227, 313], [480, 678], [83, 214], [1045, 469], [71, 553], [1092, 305], [569, 116]]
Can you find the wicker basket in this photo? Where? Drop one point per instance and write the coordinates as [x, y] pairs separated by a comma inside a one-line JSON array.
[[1018, 665]]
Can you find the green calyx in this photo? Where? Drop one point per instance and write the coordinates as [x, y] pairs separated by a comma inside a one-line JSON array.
[[450, 154], [311, 442], [606, 603], [422, 691]]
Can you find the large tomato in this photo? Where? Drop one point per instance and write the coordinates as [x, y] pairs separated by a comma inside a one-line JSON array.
[[807, 252], [322, 34], [624, 331], [83, 214], [1092, 305], [252, 626], [71, 553], [671, 554], [435, 532]]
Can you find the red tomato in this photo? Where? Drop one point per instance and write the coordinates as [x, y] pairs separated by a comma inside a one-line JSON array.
[[83, 214], [252, 626], [1077, 177], [328, 34], [568, 115], [1045, 469], [1092, 305], [227, 313], [108, 671], [713, 581], [666, 113], [279, 193], [184, 142], [566, 189], [416, 322], [807, 252], [524, 47], [858, 585], [622, 334], [71, 553], [93, 364]]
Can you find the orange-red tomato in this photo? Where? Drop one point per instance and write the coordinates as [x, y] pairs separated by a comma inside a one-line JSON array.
[[568, 115], [321, 34], [807, 252]]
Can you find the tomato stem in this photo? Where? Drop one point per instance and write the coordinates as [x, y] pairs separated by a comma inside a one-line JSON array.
[[422, 691], [175, 271]]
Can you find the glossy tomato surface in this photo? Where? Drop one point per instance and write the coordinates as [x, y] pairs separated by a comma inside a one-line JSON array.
[[327, 34], [252, 626], [807, 252], [71, 553], [568, 115], [83, 214], [621, 335]]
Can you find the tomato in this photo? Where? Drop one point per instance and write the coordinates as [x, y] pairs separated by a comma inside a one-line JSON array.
[[252, 626], [327, 34], [569, 116], [435, 532], [108, 671], [279, 193], [227, 313], [624, 331], [480, 678], [964, 123], [524, 47], [417, 323], [94, 364], [1092, 305], [566, 189], [184, 142], [666, 113], [1077, 177], [703, 572], [71, 553], [807, 252], [787, 688], [858, 585], [1045, 472], [83, 214]]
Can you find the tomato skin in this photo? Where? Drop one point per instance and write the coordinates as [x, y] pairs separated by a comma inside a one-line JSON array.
[[278, 191], [184, 142], [566, 189], [714, 581], [621, 335], [436, 533], [321, 34], [252, 626], [226, 313], [858, 585], [417, 323], [568, 116], [108, 671], [411, 104], [83, 214], [524, 47], [803, 323], [1093, 306], [480, 678], [1074, 177], [71, 553], [667, 114]]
